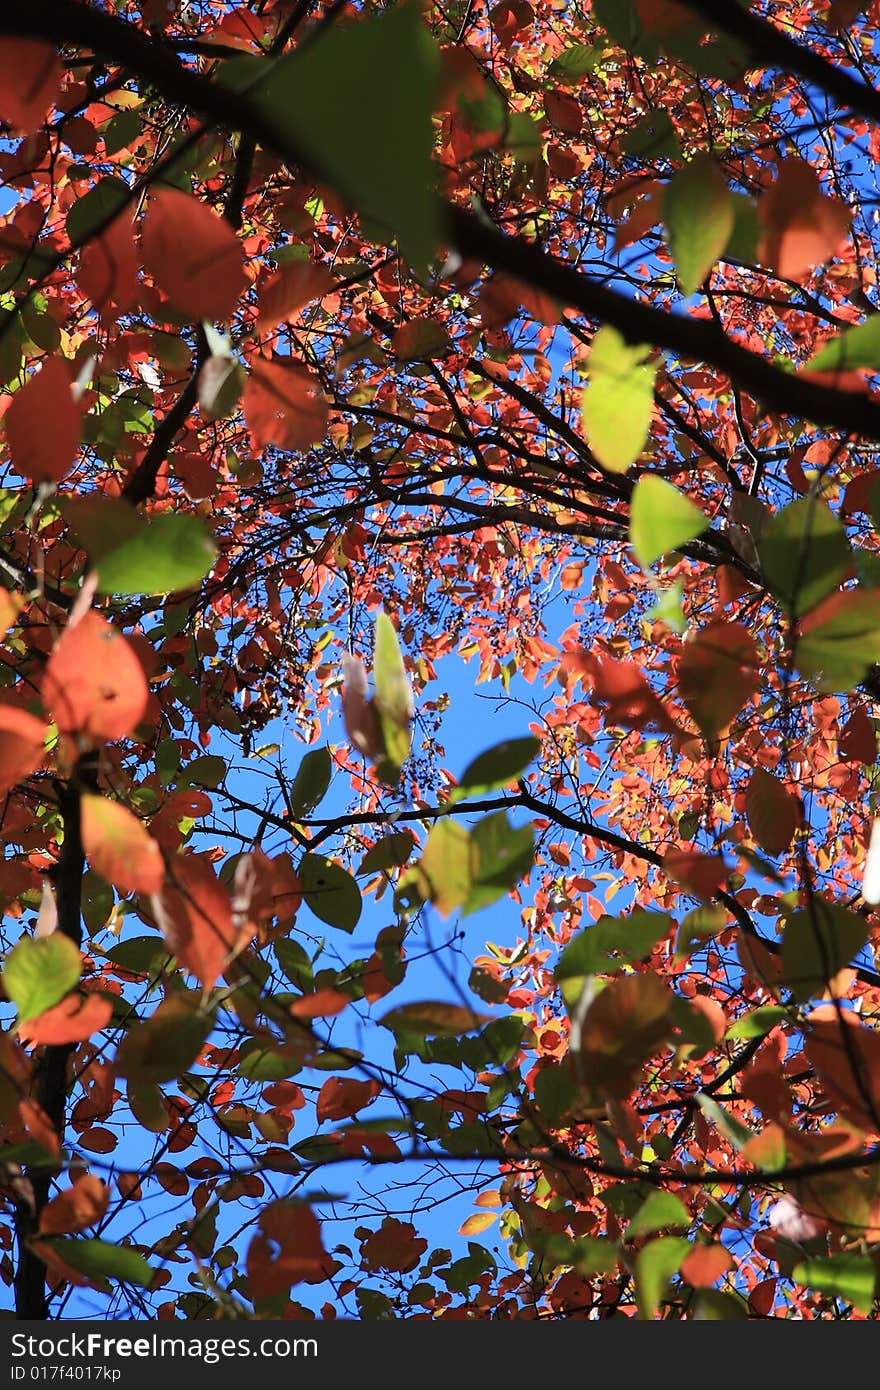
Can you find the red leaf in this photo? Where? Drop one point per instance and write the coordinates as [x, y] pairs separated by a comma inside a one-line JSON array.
[[287, 1249], [802, 227], [283, 405], [395, 1247], [192, 255], [564, 112], [75, 1019], [289, 289], [75, 1209], [341, 1097], [194, 914], [717, 673], [94, 684], [846, 1055], [773, 813], [700, 874], [21, 745], [43, 424], [30, 78], [108, 267], [858, 740], [118, 846]]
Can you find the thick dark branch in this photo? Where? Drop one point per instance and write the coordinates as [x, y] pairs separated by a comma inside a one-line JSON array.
[[50, 1069], [473, 236], [770, 47], [697, 339]]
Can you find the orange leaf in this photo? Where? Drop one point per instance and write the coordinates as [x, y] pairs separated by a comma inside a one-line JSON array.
[[324, 1003], [43, 424], [706, 1263], [119, 848], [94, 683], [30, 77], [22, 740], [802, 227], [75, 1019], [623, 686], [194, 914], [287, 1249], [289, 289], [39, 1126], [341, 1097], [108, 267], [75, 1209], [283, 405], [773, 813], [479, 1222], [192, 255]]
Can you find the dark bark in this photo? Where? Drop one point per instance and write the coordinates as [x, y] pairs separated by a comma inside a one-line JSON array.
[[50, 1070]]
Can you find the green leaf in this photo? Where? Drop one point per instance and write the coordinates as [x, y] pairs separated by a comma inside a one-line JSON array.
[[574, 63], [393, 700], [699, 214], [756, 1023], [698, 926], [840, 640], [330, 892], [654, 137], [257, 1062], [804, 554], [311, 781], [171, 552], [817, 943], [432, 1019], [661, 519], [618, 404], [655, 1266], [143, 955], [734, 1131], [501, 855], [358, 100], [854, 348], [121, 131], [38, 973], [94, 208], [101, 1260], [391, 852], [850, 1277], [587, 1254], [167, 1043], [660, 1211], [205, 771], [497, 768], [593, 951], [444, 869], [745, 235], [713, 1305]]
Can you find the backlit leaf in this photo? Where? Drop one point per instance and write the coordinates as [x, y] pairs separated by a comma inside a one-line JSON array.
[[618, 404], [661, 519], [39, 973]]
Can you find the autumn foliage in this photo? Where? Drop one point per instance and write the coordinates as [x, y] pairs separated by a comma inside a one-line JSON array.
[[440, 502]]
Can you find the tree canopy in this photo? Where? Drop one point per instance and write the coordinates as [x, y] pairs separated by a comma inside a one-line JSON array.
[[383, 381]]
